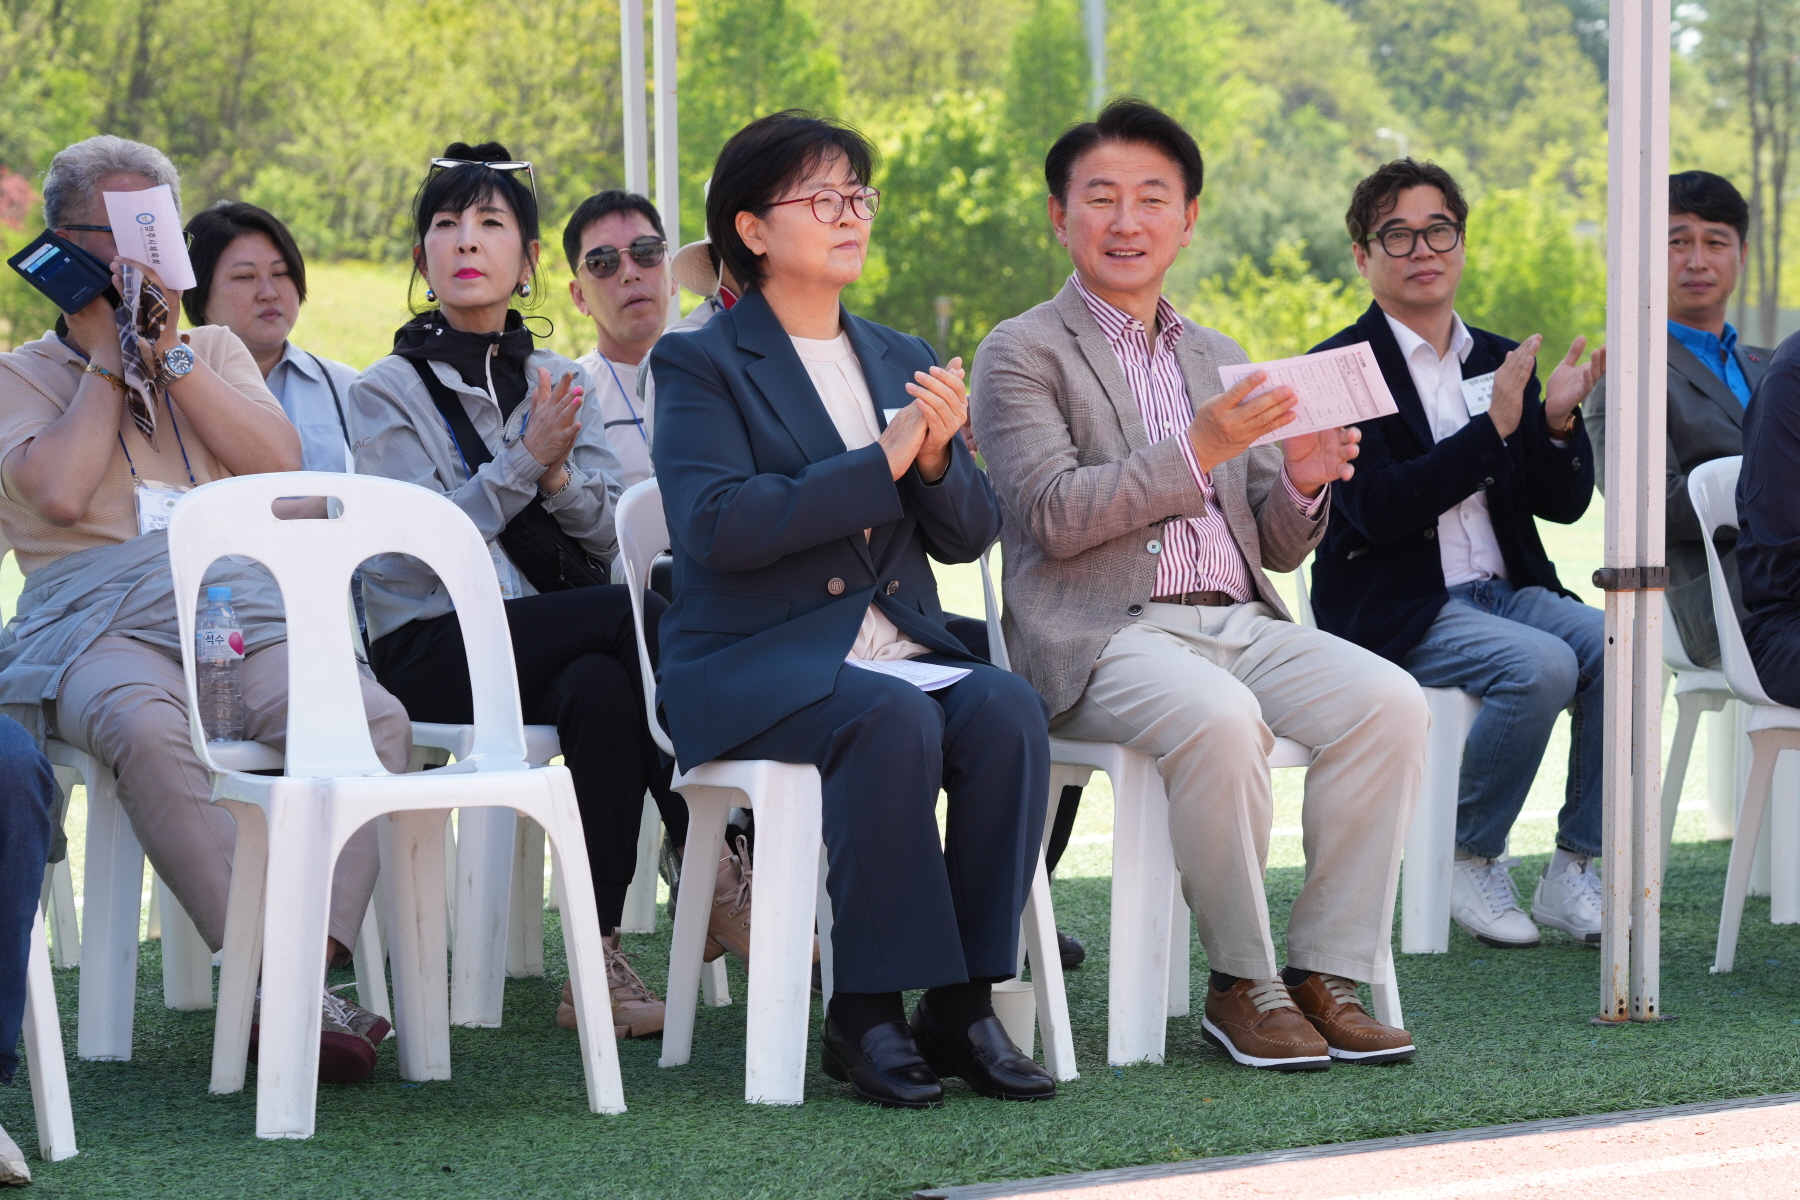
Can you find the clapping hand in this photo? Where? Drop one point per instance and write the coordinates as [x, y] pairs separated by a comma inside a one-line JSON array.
[[552, 424], [920, 434], [1226, 425], [1569, 385]]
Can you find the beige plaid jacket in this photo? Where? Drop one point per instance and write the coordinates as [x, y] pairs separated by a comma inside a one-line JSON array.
[[1086, 492]]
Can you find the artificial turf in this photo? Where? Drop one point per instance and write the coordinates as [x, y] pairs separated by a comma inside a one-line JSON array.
[[1503, 1036]]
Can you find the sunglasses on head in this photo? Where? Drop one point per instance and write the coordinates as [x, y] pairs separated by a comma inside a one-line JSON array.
[[445, 164], [602, 262]]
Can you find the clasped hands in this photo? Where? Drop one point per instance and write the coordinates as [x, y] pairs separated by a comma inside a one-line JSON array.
[[1566, 388], [552, 425], [1229, 423], [920, 434]]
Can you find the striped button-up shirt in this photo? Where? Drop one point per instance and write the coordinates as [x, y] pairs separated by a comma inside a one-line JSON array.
[[1198, 554]]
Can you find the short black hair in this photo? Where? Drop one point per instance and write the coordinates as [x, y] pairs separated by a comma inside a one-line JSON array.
[[761, 161], [212, 230], [599, 207], [454, 189], [1711, 198], [1379, 192], [1126, 119]]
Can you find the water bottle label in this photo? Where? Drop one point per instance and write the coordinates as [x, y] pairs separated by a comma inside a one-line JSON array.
[[219, 645]]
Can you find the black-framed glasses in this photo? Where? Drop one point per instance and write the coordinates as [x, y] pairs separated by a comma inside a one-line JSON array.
[[445, 164], [602, 262], [828, 205], [1400, 241], [108, 229]]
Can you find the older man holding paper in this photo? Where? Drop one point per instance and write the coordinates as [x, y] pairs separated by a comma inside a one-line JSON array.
[[1435, 562], [1140, 515]]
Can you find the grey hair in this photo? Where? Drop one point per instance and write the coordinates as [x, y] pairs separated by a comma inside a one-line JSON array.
[[77, 170]]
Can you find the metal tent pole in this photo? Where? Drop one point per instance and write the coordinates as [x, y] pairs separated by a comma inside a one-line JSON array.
[[668, 137], [1634, 574], [1094, 11], [631, 85]]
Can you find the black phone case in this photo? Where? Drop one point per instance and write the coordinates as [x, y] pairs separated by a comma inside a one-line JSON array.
[[63, 271]]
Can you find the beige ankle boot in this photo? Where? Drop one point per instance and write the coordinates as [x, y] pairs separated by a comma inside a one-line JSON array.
[[728, 929], [636, 1010]]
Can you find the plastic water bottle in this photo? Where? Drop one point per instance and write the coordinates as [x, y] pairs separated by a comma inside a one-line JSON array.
[[219, 667]]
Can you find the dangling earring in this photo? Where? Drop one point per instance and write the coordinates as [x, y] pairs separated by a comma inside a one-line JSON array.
[[524, 289], [430, 296]]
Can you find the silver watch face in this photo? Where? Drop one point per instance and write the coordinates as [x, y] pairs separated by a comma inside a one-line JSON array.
[[178, 361]]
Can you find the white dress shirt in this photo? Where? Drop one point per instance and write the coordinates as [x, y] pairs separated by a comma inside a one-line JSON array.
[[1466, 542], [626, 425], [838, 378], [304, 384]]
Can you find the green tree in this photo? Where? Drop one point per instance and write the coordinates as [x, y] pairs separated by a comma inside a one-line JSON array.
[[1530, 271], [1046, 78], [1278, 313]]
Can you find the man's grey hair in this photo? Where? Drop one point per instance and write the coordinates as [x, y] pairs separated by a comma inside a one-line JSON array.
[[76, 172]]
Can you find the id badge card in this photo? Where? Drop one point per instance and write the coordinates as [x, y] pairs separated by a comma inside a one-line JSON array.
[[505, 572], [1478, 394], [155, 501]]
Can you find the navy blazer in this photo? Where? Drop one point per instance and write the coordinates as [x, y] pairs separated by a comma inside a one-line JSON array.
[[1378, 578], [766, 514]]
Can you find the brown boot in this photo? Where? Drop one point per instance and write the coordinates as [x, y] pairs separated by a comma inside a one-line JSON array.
[[1258, 1024], [728, 929], [1330, 1002], [636, 1010]]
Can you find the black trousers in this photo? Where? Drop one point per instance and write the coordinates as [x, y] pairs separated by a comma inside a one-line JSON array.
[[908, 910], [577, 660]]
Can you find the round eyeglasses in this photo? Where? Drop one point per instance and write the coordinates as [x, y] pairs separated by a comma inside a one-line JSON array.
[[1400, 241], [602, 262], [828, 205]]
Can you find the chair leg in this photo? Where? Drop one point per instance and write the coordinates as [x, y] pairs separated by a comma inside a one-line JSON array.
[[1688, 710], [525, 919], [1784, 838], [371, 965], [822, 920], [153, 914], [640, 897], [243, 948], [1764, 750], [1181, 968], [44, 1053], [412, 865], [707, 810], [1143, 885], [781, 939], [187, 959], [66, 942], [296, 922], [1047, 978], [485, 850], [1430, 851], [112, 900], [1385, 991], [715, 984]]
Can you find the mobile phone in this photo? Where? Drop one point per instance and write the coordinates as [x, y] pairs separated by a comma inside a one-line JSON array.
[[63, 271]]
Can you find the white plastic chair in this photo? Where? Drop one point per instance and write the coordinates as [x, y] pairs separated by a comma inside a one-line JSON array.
[[44, 1053], [1697, 690], [790, 881], [1773, 727], [292, 827]]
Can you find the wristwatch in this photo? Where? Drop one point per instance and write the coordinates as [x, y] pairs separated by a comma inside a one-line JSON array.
[[178, 361]]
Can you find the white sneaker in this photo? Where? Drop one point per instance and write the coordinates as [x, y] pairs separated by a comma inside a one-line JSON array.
[[1570, 900], [13, 1171], [1483, 902]]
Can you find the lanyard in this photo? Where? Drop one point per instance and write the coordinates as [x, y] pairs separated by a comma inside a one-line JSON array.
[[635, 419], [176, 425]]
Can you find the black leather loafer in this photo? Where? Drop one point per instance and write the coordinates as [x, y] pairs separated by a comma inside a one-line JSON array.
[[1073, 953], [886, 1069], [983, 1057]]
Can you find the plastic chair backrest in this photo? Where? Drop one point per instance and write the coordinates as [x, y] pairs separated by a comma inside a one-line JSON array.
[[996, 634], [312, 560], [1712, 486], [643, 533], [1675, 655]]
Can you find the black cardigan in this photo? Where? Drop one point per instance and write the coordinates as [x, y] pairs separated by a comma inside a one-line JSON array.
[[1378, 579]]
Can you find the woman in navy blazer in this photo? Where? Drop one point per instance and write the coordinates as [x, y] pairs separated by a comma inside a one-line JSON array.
[[793, 553]]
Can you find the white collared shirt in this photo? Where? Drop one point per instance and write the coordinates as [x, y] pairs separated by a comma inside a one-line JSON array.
[[626, 425], [1465, 534], [304, 384]]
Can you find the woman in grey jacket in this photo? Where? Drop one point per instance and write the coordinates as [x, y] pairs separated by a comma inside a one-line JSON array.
[[468, 406]]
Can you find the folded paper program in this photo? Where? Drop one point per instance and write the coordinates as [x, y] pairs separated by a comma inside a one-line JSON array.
[[1335, 388], [927, 677]]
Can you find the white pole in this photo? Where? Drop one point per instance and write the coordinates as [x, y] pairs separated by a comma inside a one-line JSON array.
[[631, 84], [1095, 11], [1636, 383], [668, 136]]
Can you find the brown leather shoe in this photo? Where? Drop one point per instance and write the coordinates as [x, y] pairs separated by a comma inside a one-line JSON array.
[[636, 1010], [1330, 1002], [1257, 1023], [728, 926]]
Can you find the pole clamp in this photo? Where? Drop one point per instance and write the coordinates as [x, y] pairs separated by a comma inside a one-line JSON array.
[[1631, 579]]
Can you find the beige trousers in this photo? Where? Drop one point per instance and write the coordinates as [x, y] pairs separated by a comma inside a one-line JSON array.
[[1206, 691], [123, 702]]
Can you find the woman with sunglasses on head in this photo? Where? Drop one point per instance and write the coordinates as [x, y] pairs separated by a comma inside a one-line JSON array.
[[469, 406], [809, 461]]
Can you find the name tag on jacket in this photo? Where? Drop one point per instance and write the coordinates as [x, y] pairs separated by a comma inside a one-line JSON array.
[[1478, 393]]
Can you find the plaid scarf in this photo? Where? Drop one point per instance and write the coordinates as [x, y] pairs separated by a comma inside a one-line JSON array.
[[141, 319]]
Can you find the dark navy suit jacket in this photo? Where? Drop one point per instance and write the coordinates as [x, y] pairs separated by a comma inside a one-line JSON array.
[[1768, 543], [1378, 578], [766, 513]]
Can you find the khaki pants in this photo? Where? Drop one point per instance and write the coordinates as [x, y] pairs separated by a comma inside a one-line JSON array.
[[123, 702], [1206, 691]]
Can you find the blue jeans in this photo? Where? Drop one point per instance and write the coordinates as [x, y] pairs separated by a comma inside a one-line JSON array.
[[27, 794], [1528, 654]]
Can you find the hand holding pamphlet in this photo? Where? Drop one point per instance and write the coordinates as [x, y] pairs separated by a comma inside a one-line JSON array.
[[1334, 388]]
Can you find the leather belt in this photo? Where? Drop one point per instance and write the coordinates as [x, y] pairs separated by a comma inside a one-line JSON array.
[[1206, 599]]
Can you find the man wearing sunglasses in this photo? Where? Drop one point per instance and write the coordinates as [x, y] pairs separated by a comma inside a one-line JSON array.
[[620, 259], [1434, 560]]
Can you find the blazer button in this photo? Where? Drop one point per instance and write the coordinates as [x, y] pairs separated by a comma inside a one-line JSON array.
[[1488, 482], [835, 586], [1136, 610], [893, 586], [1430, 533], [1153, 546], [1577, 463]]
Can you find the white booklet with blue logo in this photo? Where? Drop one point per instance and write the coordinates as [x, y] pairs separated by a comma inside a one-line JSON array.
[[147, 228]]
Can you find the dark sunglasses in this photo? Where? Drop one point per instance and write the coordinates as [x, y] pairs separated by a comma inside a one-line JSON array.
[[602, 262], [108, 229]]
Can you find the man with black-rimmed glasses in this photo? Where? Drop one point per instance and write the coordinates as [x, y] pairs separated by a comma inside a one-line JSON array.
[[1434, 561]]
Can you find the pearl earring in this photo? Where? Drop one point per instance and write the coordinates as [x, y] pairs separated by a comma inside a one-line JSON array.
[[430, 296]]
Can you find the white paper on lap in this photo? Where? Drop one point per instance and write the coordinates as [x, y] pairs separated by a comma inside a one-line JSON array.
[[927, 677], [1335, 388], [147, 229]]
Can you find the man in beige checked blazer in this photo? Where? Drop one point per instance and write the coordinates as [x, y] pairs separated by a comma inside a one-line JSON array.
[[1139, 522]]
